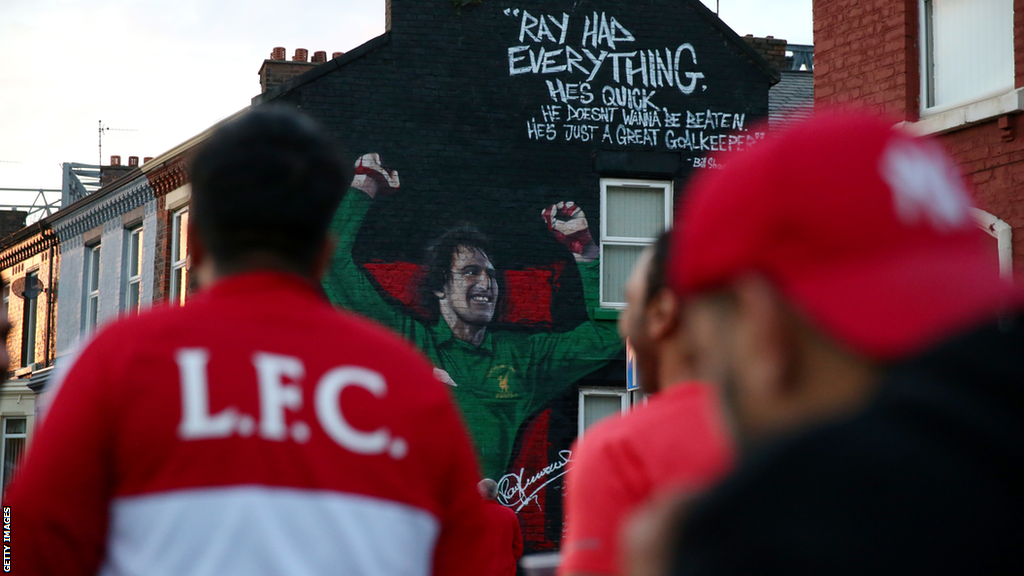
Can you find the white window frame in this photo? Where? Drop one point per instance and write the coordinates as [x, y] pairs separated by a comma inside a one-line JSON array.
[[1003, 234], [607, 240], [624, 397], [92, 295], [132, 279], [4, 437], [926, 65], [179, 262]]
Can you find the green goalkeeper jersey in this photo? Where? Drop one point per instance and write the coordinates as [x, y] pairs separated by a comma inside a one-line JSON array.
[[498, 384]]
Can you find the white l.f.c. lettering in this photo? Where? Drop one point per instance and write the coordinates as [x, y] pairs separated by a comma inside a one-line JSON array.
[[275, 395], [196, 420], [328, 408]]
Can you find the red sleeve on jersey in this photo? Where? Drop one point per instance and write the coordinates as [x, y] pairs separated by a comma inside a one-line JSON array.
[[60, 496], [591, 544]]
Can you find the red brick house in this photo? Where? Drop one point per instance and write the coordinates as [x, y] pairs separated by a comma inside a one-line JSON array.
[[950, 68]]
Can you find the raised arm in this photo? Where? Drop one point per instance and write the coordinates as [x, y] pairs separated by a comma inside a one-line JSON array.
[[345, 282], [565, 357]]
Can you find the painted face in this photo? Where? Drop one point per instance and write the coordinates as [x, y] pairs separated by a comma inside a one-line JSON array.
[[472, 288]]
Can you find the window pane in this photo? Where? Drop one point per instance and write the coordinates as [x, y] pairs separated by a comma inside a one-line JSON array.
[[94, 269], [617, 264], [178, 286], [972, 47], [28, 328], [635, 212], [94, 304], [135, 257], [15, 426], [596, 408], [180, 236], [13, 448], [133, 296]]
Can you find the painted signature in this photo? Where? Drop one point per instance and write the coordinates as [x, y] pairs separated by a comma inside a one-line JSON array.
[[515, 492]]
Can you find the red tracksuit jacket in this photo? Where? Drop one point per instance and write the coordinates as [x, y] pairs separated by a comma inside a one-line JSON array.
[[253, 431]]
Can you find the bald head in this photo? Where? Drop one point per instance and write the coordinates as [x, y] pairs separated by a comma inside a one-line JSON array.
[[488, 489]]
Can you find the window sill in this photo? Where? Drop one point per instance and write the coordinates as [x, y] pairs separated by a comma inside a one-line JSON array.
[[605, 313], [962, 116]]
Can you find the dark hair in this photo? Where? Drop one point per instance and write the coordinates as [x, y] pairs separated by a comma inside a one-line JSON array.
[[268, 182], [659, 260], [437, 264]]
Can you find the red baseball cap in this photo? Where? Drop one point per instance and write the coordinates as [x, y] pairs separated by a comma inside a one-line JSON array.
[[864, 228]]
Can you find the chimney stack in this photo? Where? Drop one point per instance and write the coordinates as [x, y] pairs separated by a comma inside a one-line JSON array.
[[115, 160], [147, 159], [770, 48], [336, 54], [133, 161], [278, 70]]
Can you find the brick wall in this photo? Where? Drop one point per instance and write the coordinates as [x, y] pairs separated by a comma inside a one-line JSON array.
[[45, 328], [770, 48], [867, 57], [11, 221], [458, 102]]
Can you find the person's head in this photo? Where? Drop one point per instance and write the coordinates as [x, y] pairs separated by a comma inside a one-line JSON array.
[[264, 190], [813, 260], [488, 489], [460, 277], [651, 320]]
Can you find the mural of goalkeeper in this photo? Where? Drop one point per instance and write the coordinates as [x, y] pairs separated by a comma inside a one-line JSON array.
[[500, 378]]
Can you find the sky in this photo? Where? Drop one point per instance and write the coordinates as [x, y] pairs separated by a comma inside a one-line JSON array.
[[157, 72]]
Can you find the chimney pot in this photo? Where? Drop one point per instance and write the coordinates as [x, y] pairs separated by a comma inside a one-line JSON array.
[[147, 159], [133, 160], [115, 160], [336, 54], [301, 55], [279, 54], [319, 57]]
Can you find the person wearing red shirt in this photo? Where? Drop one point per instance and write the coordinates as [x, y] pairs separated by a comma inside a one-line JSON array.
[[254, 430], [676, 442], [505, 539]]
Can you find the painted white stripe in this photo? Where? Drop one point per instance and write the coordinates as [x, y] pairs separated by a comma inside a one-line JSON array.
[[259, 530]]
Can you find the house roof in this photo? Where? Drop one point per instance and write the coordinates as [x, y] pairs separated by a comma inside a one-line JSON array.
[[792, 99], [375, 43]]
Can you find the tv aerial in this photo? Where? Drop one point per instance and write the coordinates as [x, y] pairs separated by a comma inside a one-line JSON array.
[[106, 129]]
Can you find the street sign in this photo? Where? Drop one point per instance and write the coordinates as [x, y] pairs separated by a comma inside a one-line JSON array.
[[632, 376]]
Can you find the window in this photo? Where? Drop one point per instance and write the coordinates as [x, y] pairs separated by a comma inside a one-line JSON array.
[[7, 300], [92, 288], [28, 326], [179, 256], [133, 271], [14, 444], [633, 214], [966, 51], [596, 404]]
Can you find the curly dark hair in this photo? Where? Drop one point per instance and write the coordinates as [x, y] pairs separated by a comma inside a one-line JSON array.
[[437, 262]]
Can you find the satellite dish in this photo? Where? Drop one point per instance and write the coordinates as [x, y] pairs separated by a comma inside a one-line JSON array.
[[27, 290]]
